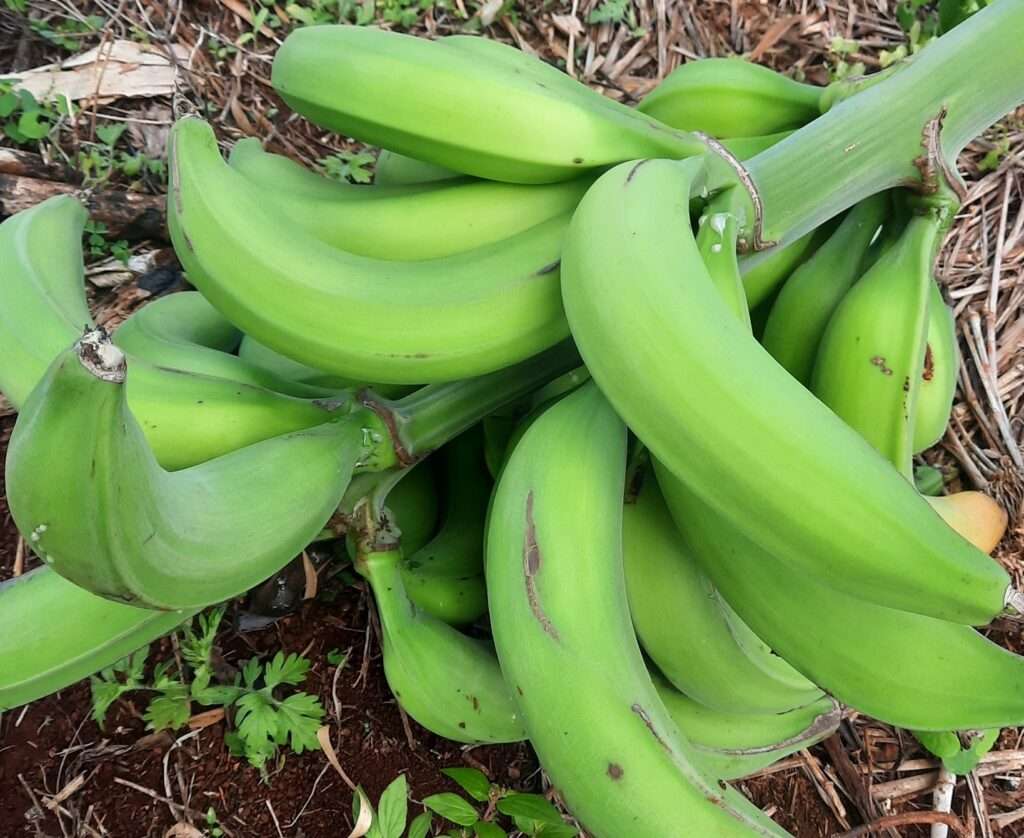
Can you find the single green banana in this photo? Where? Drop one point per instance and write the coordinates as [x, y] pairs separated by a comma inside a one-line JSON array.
[[53, 633], [765, 270], [743, 148], [403, 223], [870, 354], [731, 97], [448, 682], [473, 108], [734, 745], [814, 290], [716, 241], [187, 418], [938, 377], [254, 352], [404, 322], [101, 512], [393, 169], [906, 669], [560, 619], [185, 332], [445, 576], [679, 619], [413, 504], [721, 414]]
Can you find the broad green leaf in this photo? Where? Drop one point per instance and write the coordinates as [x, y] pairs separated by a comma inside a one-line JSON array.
[[420, 826], [484, 829], [561, 830], [452, 807], [8, 104], [473, 782], [533, 806], [170, 710], [393, 808]]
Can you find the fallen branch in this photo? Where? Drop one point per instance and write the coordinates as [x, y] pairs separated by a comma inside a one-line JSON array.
[[129, 215], [906, 819]]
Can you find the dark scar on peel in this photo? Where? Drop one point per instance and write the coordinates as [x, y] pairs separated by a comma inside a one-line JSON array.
[[636, 708], [531, 565]]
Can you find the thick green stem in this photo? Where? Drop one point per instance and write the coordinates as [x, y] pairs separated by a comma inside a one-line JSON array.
[[434, 414], [967, 80]]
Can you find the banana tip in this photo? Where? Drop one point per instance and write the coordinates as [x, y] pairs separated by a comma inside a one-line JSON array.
[[100, 357]]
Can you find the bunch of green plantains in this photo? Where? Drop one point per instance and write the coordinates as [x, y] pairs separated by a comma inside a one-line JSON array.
[[676, 360]]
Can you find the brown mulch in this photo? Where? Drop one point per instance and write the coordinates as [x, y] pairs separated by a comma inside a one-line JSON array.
[[826, 791]]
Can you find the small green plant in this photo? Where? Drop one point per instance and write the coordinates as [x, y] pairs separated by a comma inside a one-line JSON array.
[[100, 161], [98, 245], [213, 823], [617, 11], [264, 721], [402, 13], [839, 49], [24, 119], [69, 33], [990, 162], [348, 166]]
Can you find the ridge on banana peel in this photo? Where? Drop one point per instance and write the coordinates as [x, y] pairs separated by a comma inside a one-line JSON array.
[[681, 625], [938, 374], [734, 745], [731, 97], [403, 223], [447, 681], [393, 168], [187, 418], [405, 322], [53, 633], [100, 511], [759, 448], [185, 332], [553, 541], [469, 104], [906, 669]]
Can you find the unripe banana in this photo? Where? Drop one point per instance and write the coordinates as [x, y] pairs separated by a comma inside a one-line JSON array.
[[393, 168], [734, 745], [473, 106], [187, 418], [680, 623], [590, 709], [807, 301], [445, 576], [101, 512], [938, 378], [185, 332], [254, 352], [403, 223], [743, 148], [758, 447], [716, 241], [446, 681], [731, 97], [902, 668], [870, 354], [53, 633], [404, 322], [765, 270], [413, 504]]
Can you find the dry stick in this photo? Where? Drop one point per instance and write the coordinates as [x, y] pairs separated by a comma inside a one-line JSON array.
[[906, 819], [19, 557], [942, 800], [273, 816], [986, 363], [159, 798], [978, 798], [853, 783]]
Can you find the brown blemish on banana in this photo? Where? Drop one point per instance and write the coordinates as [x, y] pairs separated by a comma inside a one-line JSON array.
[[636, 168], [614, 770], [531, 567], [646, 719], [933, 162], [879, 361], [551, 267], [929, 363], [387, 416], [818, 729]]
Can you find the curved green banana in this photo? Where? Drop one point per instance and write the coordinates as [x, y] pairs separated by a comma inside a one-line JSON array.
[[187, 418], [403, 322], [185, 332], [53, 633], [720, 413], [743, 148], [680, 623], [905, 669], [393, 168], [474, 108], [445, 576], [938, 377], [868, 361], [255, 353], [734, 745], [814, 290], [731, 97], [446, 681], [101, 512], [589, 706], [762, 272], [716, 241], [413, 504], [404, 223]]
